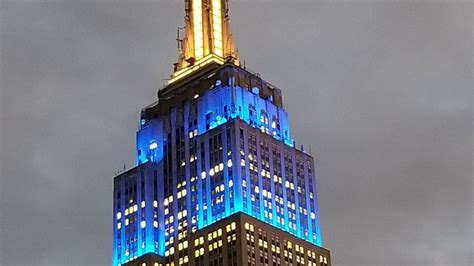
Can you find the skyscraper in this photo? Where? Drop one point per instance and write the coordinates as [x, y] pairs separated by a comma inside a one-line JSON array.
[[217, 179]]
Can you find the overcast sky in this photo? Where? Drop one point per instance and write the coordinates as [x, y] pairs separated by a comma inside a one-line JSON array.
[[381, 90]]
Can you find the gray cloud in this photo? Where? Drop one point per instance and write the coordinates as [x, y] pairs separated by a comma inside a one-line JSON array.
[[382, 91]]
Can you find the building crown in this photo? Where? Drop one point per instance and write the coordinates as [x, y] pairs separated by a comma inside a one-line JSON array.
[[207, 37]]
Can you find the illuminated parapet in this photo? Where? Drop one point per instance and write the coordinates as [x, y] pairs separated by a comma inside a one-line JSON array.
[[228, 92]]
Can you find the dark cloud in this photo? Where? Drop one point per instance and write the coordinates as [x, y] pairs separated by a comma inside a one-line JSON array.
[[381, 90]]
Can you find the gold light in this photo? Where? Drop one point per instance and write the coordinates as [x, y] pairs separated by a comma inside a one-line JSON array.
[[217, 27], [207, 28], [197, 25], [204, 61]]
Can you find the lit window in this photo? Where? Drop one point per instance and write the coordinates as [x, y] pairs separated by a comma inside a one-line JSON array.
[[153, 145], [155, 203], [143, 204], [143, 224], [119, 225], [119, 215]]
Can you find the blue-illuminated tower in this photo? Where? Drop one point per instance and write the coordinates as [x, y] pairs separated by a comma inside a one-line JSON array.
[[216, 143]]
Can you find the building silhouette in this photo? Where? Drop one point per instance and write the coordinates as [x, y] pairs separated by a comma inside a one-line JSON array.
[[218, 179]]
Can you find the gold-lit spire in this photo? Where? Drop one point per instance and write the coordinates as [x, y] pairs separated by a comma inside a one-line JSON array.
[[207, 37]]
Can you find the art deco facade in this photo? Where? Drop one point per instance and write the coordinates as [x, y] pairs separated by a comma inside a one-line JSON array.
[[217, 180]]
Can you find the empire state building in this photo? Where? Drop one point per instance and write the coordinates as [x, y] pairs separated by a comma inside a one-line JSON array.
[[217, 178]]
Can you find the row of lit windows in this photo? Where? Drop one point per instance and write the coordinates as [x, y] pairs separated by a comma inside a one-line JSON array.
[[288, 252], [215, 236]]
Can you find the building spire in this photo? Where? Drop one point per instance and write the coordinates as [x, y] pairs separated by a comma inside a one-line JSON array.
[[207, 37]]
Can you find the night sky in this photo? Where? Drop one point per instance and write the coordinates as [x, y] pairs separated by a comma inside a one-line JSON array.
[[380, 90]]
